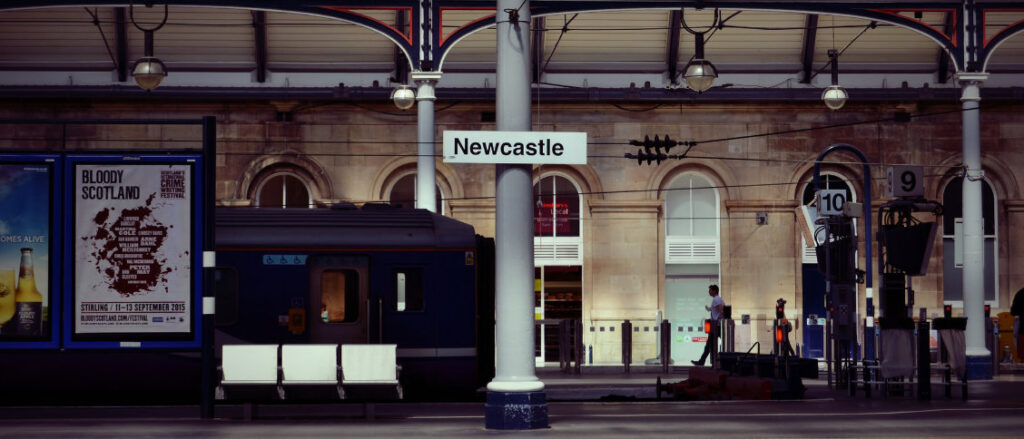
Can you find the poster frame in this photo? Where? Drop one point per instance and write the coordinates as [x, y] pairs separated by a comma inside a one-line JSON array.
[[135, 340], [56, 247]]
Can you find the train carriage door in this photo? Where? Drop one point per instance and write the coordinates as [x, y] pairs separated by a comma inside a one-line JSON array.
[[338, 299]]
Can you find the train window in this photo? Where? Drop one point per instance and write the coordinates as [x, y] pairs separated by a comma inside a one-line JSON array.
[[409, 289], [226, 296], [339, 296]]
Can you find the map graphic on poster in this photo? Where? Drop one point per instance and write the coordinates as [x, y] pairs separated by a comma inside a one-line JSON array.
[[132, 248], [24, 251]]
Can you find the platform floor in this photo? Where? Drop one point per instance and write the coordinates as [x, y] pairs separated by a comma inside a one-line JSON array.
[[601, 403]]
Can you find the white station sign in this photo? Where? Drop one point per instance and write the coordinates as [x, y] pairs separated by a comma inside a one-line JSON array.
[[515, 147]]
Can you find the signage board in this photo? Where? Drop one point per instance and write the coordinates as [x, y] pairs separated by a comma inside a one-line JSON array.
[[515, 147], [29, 251], [830, 201], [133, 249], [905, 181]]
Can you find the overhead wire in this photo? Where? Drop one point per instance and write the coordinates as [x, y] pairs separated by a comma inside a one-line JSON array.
[[634, 191]]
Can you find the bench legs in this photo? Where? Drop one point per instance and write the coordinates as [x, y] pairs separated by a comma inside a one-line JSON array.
[[369, 411], [248, 411]]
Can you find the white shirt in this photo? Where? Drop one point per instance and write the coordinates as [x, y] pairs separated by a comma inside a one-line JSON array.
[[717, 306]]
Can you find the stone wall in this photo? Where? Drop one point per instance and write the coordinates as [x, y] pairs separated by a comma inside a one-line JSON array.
[[347, 152]]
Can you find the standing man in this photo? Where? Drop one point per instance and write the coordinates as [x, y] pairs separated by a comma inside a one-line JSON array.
[[1017, 310], [717, 309]]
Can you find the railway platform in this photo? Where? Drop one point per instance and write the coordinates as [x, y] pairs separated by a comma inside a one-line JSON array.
[[602, 402]]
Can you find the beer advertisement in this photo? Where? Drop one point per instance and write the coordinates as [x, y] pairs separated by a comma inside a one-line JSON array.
[[25, 251], [132, 253]]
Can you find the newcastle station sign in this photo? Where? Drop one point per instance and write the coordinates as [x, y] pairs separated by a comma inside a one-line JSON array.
[[515, 147]]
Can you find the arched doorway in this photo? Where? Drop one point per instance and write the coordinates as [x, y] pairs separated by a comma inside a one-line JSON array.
[[813, 294], [692, 260], [558, 259]]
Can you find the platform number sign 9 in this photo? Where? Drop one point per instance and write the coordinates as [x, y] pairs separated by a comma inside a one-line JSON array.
[[905, 181], [830, 201]]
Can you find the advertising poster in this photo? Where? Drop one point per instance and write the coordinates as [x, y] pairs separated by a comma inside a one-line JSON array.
[[25, 244], [132, 249]]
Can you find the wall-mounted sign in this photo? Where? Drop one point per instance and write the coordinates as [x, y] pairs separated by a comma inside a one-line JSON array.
[[133, 250], [551, 217], [515, 147]]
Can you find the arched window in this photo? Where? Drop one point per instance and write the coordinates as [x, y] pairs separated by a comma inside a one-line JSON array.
[[557, 227], [691, 220], [952, 250], [557, 207], [283, 189], [403, 194]]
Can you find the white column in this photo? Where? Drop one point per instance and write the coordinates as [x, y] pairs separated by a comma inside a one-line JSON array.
[[514, 211], [973, 227], [425, 169]]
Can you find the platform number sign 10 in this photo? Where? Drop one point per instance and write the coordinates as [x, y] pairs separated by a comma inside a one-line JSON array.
[[905, 181], [830, 201]]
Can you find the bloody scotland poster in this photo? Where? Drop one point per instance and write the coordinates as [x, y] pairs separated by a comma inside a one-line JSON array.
[[132, 248], [25, 245]]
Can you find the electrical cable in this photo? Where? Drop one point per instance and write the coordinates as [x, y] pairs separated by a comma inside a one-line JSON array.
[[96, 22]]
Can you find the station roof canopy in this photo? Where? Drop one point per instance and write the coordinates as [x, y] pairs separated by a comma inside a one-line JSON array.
[[580, 49]]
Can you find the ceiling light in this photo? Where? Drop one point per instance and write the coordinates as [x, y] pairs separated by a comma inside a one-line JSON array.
[[148, 71], [834, 96], [700, 74]]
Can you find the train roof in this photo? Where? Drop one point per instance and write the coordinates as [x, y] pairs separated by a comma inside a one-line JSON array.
[[348, 227]]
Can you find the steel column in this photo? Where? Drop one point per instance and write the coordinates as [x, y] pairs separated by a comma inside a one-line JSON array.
[[425, 169], [515, 399], [973, 233]]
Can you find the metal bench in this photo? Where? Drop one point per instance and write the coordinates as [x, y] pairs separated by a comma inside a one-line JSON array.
[[369, 373], [255, 373], [249, 373], [310, 371]]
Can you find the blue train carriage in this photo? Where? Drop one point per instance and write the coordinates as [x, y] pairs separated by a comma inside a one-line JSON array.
[[372, 275]]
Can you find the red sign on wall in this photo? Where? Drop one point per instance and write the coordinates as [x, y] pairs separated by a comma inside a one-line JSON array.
[[551, 216]]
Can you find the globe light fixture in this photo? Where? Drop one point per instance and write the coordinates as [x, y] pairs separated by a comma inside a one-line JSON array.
[[700, 74], [148, 71], [403, 97], [834, 96]]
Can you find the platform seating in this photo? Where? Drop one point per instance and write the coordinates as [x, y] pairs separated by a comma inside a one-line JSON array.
[[370, 371], [249, 373], [310, 371], [258, 373]]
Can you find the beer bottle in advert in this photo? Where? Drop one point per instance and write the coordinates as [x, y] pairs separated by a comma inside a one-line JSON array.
[[29, 302]]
